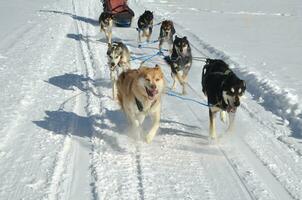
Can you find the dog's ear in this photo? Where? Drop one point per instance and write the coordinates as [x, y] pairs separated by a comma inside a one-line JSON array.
[[176, 37], [173, 29], [185, 38]]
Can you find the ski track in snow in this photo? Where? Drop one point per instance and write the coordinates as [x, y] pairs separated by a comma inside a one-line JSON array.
[[83, 150]]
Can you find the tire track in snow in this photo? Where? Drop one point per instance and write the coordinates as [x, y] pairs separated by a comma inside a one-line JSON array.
[[79, 168]]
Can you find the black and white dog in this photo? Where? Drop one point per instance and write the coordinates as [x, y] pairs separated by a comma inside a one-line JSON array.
[[118, 57], [223, 90], [180, 61], [166, 33], [145, 25], [105, 21]]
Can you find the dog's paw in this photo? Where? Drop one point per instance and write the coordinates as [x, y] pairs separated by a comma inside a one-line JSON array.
[[212, 141], [149, 139]]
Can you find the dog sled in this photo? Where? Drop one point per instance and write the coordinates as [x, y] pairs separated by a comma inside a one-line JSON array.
[[122, 14]]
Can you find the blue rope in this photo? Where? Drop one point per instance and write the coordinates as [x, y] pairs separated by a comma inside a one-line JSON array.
[[186, 99], [148, 57], [138, 58], [142, 44], [157, 54]]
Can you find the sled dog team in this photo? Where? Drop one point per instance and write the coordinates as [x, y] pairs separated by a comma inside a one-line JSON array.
[[139, 91]]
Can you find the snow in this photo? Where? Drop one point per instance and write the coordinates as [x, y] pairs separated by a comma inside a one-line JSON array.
[[63, 137]]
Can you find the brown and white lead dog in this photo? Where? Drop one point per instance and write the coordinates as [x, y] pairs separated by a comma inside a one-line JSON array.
[[139, 94]]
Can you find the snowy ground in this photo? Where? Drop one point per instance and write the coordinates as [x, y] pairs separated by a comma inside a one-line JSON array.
[[63, 137]]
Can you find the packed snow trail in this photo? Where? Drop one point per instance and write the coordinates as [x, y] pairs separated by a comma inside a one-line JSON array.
[[63, 137]]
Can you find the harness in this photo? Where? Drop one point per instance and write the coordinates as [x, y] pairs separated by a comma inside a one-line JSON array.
[[140, 106]]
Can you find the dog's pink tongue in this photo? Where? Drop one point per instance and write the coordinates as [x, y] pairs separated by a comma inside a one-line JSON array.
[[153, 92]]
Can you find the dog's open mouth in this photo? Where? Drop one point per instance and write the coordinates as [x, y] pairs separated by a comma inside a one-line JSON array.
[[151, 93]]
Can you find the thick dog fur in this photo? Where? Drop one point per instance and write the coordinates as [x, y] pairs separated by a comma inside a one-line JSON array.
[[223, 90], [167, 31], [106, 21], [180, 62], [145, 25], [139, 94], [118, 57]]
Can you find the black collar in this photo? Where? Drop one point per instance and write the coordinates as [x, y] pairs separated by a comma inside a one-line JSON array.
[[140, 106]]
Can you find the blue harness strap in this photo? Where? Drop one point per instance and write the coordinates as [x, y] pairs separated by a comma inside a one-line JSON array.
[[170, 93]]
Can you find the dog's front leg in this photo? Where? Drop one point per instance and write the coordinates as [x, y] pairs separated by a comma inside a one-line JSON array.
[[182, 82], [134, 131], [109, 35], [113, 82], [141, 118], [139, 36], [161, 41], [149, 34], [174, 81], [212, 115], [155, 125], [231, 122]]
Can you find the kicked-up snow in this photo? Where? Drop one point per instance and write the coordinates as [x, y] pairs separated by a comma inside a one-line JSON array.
[[63, 137]]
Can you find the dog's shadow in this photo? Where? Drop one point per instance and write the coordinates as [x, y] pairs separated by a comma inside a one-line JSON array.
[[69, 123], [65, 123], [69, 81]]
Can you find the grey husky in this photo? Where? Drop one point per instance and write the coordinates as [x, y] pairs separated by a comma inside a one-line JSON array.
[[118, 57]]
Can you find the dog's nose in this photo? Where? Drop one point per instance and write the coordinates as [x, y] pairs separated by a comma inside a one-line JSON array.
[[112, 64], [153, 86], [237, 102]]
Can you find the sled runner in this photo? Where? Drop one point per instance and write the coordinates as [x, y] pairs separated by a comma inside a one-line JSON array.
[[122, 14]]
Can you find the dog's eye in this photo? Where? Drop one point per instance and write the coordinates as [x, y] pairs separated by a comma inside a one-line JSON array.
[[157, 79], [116, 56], [147, 79]]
